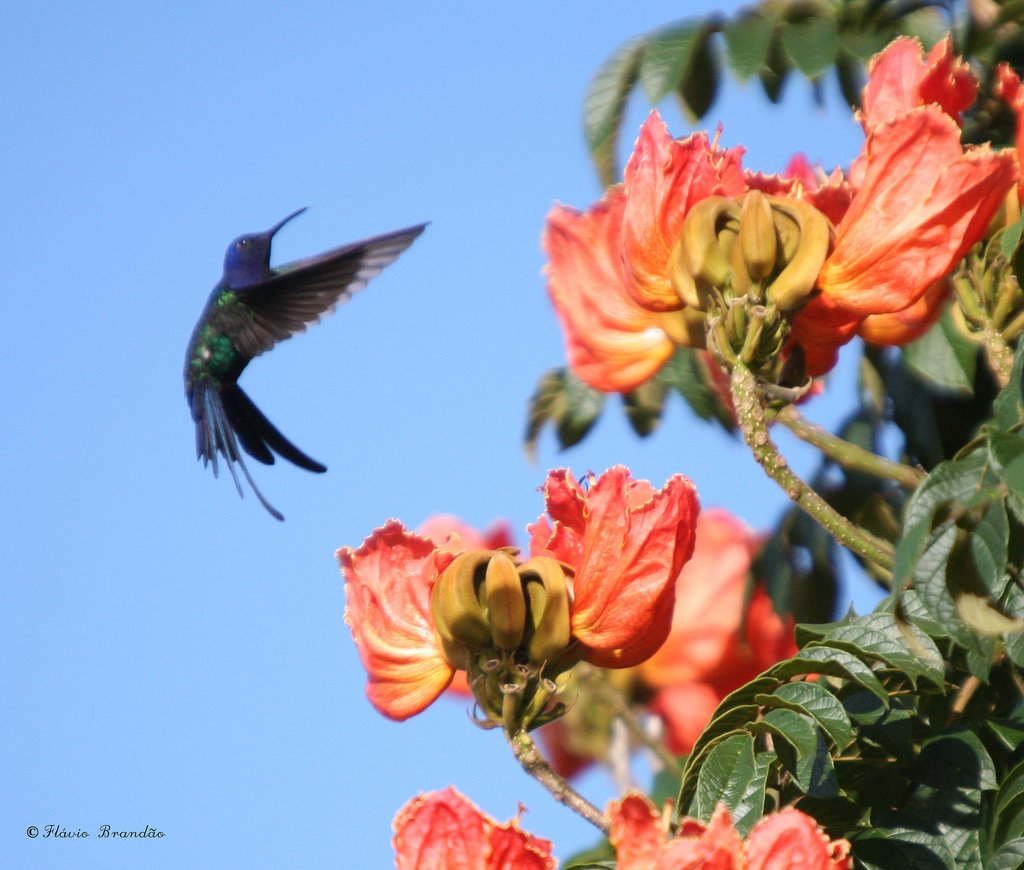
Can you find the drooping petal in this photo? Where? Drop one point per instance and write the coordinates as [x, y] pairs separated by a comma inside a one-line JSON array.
[[899, 327], [444, 830], [636, 832], [612, 343], [512, 848], [635, 543], [1009, 88], [791, 839], [901, 78], [387, 594], [922, 204], [663, 180], [441, 830]]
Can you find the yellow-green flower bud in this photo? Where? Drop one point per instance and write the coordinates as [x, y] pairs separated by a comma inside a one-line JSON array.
[[506, 603]]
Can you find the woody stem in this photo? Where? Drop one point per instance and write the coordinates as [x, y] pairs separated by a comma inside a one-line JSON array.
[[751, 416], [597, 680], [846, 454], [535, 765]]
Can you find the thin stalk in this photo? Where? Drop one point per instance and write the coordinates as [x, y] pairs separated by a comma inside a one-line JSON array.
[[534, 764], [846, 454], [754, 427], [596, 680]]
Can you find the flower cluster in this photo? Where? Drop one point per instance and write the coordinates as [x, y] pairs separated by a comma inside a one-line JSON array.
[[722, 636], [599, 586], [693, 250], [788, 838]]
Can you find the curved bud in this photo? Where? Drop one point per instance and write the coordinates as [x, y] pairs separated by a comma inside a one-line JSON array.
[[506, 603], [796, 281], [454, 602], [700, 253], [548, 592], [757, 242]]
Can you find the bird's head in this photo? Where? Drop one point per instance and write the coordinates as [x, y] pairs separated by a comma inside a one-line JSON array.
[[247, 260]]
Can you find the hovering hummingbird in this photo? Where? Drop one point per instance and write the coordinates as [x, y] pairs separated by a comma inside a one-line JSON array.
[[251, 309]]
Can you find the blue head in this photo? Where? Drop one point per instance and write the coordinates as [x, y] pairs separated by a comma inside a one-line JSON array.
[[247, 260]]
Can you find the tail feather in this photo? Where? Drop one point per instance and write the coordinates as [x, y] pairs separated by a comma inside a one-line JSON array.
[[215, 435], [258, 435]]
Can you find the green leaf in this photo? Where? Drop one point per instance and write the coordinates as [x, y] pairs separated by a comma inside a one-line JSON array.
[[774, 73], [832, 662], [747, 38], [687, 373], [964, 480], [955, 759], [900, 645], [605, 104], [1006, 408], [816, 701], [989, 546], [1009, 856], [885, 848], [1009, 732], [1006, 450], [699, 86], [1008, 807], [668, 54], [727, 776], [644, 406], [850, 73], [944, 356], [801, 747], [565, 401], [811, 44], [582, 406]]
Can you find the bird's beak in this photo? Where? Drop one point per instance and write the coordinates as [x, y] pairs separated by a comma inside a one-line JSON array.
[[281, 223]]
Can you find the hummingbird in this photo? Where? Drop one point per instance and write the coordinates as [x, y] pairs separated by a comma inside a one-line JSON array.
[[251, 309]]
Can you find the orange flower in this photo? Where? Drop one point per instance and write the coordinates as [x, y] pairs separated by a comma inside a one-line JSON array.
[[901, 78], [443, 830], [1010, 89], [922, 205], [612, 343], [920, 202], [788, 838], [715, 644], [387, 594], [663, 180], [627, 544], [444, 529]]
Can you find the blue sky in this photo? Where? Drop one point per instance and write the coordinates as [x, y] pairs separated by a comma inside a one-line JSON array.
[[172, 656]]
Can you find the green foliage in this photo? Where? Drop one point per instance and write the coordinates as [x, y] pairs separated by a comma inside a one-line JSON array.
[[573, 408], [768, 41]]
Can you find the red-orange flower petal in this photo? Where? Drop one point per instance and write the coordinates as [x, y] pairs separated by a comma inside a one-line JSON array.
[[612, 343], [387, 594], [685, 709], [627, 544], [710, 598], [901, 78], [663, 180], [443, 529], [1009, 88], [899, 327], [636, 832], [790, 839], [922, 204], [443, 830]]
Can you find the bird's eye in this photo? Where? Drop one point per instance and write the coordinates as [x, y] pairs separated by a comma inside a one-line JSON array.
[[243, 243]]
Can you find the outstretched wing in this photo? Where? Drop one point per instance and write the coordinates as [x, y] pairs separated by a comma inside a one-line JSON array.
[[302, 292]]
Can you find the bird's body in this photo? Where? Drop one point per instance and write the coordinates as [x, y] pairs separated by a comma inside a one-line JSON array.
[[251, 309]]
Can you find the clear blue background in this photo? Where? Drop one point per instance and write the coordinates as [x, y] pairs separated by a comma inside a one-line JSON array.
[[172, 656]]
